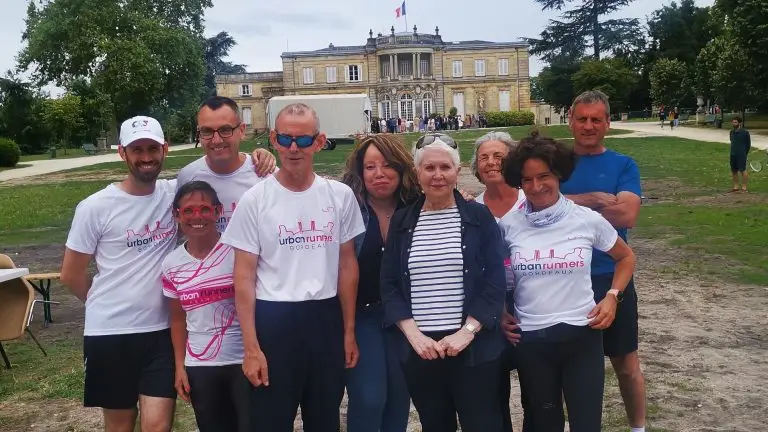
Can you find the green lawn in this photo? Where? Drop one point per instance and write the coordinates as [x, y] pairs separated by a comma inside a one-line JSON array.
[[71, 153]]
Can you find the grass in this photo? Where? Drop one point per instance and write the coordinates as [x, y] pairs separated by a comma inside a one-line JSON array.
[[71, 153]]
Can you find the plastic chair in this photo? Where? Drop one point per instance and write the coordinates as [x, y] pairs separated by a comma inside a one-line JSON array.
[[17, 300]]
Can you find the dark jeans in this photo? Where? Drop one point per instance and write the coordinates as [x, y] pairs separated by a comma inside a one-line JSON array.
[[442, 388], [508, 364], [378, 396], [558, 361], [304, 346], [219, 397]]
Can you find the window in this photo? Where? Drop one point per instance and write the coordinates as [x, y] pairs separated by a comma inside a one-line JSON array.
[[424, 68], [385, 70], [479, 67], [406, 106], [458, 71], [426, 104], [405, 67], [503, 100], [246, 90], [330, 74], [458, 102], [246, 116], [353, 73], [309, 75], [503, 66], [386, 107]]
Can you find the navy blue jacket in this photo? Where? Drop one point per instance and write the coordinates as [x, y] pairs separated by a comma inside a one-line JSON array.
[[484, 276]]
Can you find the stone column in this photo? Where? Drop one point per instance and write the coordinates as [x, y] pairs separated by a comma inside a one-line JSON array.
[[413, 71], [392, 67], [418, 65]]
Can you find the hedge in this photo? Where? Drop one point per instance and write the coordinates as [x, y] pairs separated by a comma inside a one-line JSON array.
[[9, 153], [509, 118]]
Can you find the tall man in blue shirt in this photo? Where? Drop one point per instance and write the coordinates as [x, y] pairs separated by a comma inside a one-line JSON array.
[[609, 182]]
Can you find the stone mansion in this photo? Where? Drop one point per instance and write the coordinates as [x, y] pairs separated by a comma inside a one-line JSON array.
[[405, 75]]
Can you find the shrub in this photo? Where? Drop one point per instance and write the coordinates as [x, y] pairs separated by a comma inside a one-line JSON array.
[[453, 111], [9, 153], [509, 118]]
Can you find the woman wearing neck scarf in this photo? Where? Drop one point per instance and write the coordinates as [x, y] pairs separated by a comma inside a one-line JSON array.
[[442, 285], [381, 173], [501, 199], [550, 244]]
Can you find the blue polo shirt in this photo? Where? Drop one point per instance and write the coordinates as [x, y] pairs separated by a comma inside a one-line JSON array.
[[609, 172]]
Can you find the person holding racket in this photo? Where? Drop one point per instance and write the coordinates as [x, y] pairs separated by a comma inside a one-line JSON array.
[[207, 341], [741, 143]]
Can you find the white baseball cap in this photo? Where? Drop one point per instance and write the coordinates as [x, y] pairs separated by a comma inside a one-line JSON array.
[[141, 127]]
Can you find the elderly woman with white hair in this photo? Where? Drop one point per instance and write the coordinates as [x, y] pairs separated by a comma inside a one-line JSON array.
[[501, 199], [442, 287]]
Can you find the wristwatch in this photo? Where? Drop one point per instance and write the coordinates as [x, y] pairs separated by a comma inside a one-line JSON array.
[[616, 293], [470, 328]]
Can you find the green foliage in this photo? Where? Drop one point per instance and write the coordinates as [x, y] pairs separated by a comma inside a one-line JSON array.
[[537, 93], [669, 81], [730, 72], [140, 60], [581, 27], [611, 76], [216, 49], [64, 117], [20, 107], [9, 153], [680, 31], [509, 118], [556, 84], [453, 111]]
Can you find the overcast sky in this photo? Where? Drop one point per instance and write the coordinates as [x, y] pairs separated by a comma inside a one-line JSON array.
[[266, 28]]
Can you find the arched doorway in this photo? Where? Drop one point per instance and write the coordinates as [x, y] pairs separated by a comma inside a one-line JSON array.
[[426, 104], [406, 106], [385, 107]]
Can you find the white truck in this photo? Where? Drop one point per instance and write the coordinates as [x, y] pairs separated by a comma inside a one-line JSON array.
[[342, 116]]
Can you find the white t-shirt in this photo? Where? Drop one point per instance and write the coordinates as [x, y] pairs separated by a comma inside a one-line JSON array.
[[519, 204], [129, 237], [206, 291], [296, 236], [552, 266], [229, 187]]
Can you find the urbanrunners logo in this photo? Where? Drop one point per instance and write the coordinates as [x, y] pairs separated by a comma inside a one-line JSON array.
[[307, 236], [550, 264], [226, 216], [146, 238]]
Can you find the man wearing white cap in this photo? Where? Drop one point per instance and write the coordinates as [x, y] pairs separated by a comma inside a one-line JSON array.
[[128, 228]]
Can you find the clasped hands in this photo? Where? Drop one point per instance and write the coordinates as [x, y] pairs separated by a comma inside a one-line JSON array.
[[430, 349]]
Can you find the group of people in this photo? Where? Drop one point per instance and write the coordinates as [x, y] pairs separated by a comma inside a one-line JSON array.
[[289, 288]]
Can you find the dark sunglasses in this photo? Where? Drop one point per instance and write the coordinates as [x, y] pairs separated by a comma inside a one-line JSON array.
[[302, 141], [430, 138]]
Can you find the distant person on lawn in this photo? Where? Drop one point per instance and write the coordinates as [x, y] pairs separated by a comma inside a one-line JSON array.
[[741, 143], [609, 183]]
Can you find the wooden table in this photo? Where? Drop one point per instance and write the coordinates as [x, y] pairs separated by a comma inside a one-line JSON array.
[[42, 284]]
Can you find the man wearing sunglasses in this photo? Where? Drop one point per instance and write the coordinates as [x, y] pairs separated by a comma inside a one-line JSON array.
[[231, 172], [296, 282]]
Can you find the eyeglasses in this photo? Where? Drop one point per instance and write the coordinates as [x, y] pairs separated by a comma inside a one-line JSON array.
[[203, 211], [224, 132], [431, 138], [302, 141]]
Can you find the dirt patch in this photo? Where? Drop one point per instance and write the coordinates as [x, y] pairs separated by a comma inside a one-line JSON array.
[[703, 346], [82, 176]]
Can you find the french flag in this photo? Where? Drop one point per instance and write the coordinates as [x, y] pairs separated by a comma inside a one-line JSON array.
[[400, 11]]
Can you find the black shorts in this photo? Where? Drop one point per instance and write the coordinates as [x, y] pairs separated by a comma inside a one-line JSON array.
[[621, 337], [119, 368], [220, 396], [738, 163]]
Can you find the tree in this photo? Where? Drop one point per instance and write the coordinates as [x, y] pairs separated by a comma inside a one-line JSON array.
[[97, 111], [556, 83], [140, 60], [20, 107], [537, 93], [581, 28], [611, 76], [731, 73], [216, 49], [669, 81], [748, 31], [64, 117], [681, 31]]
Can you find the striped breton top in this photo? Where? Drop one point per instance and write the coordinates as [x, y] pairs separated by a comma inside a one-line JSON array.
[[436, 263]]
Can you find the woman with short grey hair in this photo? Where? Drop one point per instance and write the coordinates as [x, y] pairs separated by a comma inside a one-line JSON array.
[[442, 287], [501, 199]]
